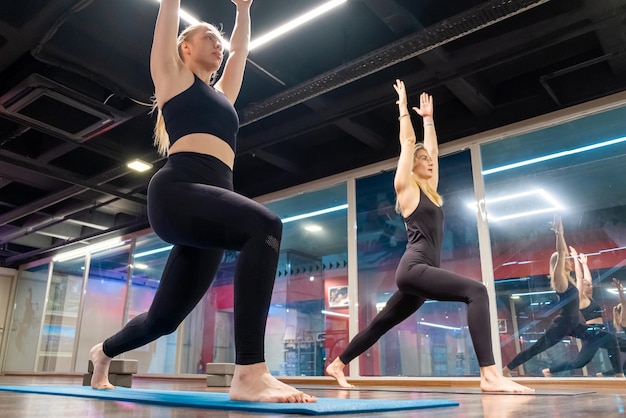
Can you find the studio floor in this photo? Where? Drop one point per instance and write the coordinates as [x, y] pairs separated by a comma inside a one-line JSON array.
[[604, 397]]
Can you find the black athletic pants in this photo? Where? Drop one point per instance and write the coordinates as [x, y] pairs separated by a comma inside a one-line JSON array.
[[416, 283], [191, 205]]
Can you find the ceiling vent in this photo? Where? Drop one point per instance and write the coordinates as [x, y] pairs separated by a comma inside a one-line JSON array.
[[56, 109]]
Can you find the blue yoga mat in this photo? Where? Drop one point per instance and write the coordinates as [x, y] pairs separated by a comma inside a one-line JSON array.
[[212, 400]]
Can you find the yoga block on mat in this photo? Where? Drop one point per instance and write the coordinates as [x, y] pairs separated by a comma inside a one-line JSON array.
[[220, 368], [219, 380], [119, 366], [124, 380]]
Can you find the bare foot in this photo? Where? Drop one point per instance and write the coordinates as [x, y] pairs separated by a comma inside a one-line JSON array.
[[335, 369], [546, 373], [492, 381], [254, 383], [506, 372], [101, 362]]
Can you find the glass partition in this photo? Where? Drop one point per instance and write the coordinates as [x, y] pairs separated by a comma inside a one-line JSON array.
[[574, 169], [26, 321], [309, 303], [61, 313], [104, 300], [435, 340], [148, 260]]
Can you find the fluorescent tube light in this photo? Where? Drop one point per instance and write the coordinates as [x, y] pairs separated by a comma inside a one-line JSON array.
[[554, 205], [430, 324], [330, 313], [314, 213], [155, 251], [101, 246], [553, 156], [287, 27], [546, 292]]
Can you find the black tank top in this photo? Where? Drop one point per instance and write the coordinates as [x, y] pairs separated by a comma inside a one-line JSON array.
[[201, 109], [592, 311], [424, 228], [568, 301]]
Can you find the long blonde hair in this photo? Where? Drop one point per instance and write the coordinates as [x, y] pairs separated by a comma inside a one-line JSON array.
[[423, 185], [161, 138]]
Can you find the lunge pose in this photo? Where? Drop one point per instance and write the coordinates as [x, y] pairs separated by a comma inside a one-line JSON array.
[[418, 275], [569, 321], [191, 203], [597, 335]]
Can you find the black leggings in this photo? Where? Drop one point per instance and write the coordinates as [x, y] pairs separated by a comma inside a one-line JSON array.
[[560, 327], [621, 343], [191, 205], [417, 283], [595, 340]]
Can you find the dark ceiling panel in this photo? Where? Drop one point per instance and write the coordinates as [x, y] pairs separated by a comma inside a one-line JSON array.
[[317, 102]]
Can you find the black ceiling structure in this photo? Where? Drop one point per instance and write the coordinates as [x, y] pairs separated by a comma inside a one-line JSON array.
[[75, 92]]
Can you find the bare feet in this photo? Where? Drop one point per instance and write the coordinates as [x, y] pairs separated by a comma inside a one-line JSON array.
[[492, 381], [335, 369], [506, 372], [254, 383], [546, 373], [101, 362]]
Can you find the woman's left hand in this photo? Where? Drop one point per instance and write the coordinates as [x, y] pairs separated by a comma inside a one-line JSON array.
[[426, 108]]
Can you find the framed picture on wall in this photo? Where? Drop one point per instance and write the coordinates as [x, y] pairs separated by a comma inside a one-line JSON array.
[[338, 296], [502, 326]]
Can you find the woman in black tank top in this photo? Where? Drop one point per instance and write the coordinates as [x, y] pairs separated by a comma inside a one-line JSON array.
[[418, 274], [596, 335]]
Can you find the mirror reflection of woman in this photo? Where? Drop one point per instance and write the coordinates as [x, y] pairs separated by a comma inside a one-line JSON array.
[[569, 321], [418, 275]]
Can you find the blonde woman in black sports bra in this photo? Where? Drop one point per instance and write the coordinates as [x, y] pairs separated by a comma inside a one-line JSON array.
[[191, 203]]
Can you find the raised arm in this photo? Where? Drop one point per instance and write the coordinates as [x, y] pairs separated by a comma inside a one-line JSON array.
[[559, 277], [426, 111], [582, 258], [406, 189], [164, 60], [622, 300], [579, 275], [618, 318], [232, 76]]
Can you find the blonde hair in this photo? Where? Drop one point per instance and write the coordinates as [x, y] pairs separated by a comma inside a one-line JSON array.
[[161, 138], [424, 186]]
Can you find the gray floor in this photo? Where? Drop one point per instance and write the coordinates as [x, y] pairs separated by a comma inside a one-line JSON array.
[[561, 398]]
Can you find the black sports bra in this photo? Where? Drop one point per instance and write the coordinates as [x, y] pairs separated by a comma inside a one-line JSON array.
[[201, 109], [592, 311]]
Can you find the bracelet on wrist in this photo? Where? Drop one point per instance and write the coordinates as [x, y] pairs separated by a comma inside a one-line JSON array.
[[429, 123], [401, 116]]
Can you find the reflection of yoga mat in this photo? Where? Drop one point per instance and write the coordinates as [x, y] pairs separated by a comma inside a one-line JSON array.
[[212, 400], [458, 391]]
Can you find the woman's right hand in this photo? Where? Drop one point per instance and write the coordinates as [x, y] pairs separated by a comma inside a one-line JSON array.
[[557, 225], [401, 90]]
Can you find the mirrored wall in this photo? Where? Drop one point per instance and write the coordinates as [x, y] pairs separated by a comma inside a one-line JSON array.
[[324, 291]]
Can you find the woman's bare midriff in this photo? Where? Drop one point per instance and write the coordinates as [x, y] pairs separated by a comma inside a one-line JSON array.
[[205, 144]]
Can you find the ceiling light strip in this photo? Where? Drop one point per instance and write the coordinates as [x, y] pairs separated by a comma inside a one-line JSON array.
[[553, 156], [315, 213]]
